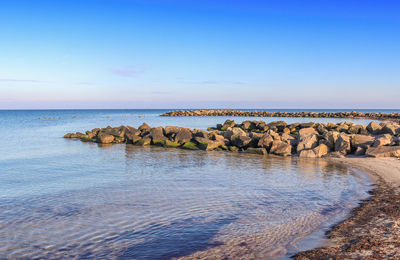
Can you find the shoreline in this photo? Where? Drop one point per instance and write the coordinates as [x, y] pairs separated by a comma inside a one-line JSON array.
[[372, 230]]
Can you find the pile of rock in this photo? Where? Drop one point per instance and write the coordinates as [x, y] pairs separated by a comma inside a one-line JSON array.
[[354, 114], [299, 139]]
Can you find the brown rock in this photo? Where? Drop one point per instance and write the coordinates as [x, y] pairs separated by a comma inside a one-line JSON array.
[[382, 140], [281, 148], [183, 135], [384, 151], [105, 138], [374, 128], [362, 141], [321, 150], [265, 141], [343, 144], [257, 150], [144, 127], [309, 141]]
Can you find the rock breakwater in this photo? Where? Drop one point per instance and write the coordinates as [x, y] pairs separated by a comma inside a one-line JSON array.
[[218, 112], [311, 140]]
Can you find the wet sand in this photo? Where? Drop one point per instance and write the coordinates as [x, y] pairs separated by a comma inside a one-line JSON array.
[[373, 229]]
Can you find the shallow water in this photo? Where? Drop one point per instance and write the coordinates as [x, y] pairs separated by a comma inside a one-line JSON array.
[[64, 198]]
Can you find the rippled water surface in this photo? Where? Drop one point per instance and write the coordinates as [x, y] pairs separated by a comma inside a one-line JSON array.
[[63, 198]]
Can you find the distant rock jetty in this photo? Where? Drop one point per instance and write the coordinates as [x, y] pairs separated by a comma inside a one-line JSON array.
[[311, 140], [354, 114]]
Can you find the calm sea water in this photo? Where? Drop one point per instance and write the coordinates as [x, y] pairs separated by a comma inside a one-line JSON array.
[[62, 198]]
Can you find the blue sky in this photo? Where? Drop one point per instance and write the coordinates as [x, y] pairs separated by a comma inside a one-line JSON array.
[[199, 54]]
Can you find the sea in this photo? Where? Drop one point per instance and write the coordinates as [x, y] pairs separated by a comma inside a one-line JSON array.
[[62, 198]]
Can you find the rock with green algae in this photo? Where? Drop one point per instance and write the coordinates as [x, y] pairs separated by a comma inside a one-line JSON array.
[[171, 144], [190, 146]]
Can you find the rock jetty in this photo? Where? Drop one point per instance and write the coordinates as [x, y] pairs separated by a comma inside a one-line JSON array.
[[310, 140], [354, 114]]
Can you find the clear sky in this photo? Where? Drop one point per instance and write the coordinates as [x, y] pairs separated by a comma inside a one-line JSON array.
[[199, 54]]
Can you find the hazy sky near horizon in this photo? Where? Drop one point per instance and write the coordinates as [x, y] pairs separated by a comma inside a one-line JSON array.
[[199, 54]]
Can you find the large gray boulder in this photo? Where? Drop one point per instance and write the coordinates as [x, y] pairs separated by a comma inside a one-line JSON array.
[[240, 140]]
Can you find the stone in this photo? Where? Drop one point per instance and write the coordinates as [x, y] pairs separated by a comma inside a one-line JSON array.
[[233, 148], [362, 141], [290, 139], [157, 136], [170, 130], [144, 127], [360, 151], [307, 153], [321, 150], [309, 141], [199, 133], [390, 129], [238, 131], [207, 144], [281, 148], [382, 140], [307, 131], [331, 138], [117, 131], [145, 141], [374, 128], [183, 135], [171, 144], [240, 140], [257, 150], [343, 144], [131, 134], [334, 155], [105, 138], [265, 141], [190, 146], [383, 151], [228, 124], [227, 134]]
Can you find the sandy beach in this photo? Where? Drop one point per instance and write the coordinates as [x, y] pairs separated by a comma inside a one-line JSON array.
[[372, 231]]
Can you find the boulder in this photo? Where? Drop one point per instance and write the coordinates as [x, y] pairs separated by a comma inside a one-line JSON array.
[[238, 131], [265, 141], [307, 153], [307, 131], [281, 148], [207, 144], [290, 139], [144, 127], [391, 129], [157, 133], [374, 128], [190, 146], [382, 140], [240, 140], [228, 124], [321, 150], [183, 135], [331, 138], [131, 134], [170, 130], [200, 133], [383, 151], [362, 140], [360, 151], [257, 150], [105, 138], [334, 155], [145, 141], [227, 134], [309, 141], [117, 131], [343, 144]]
